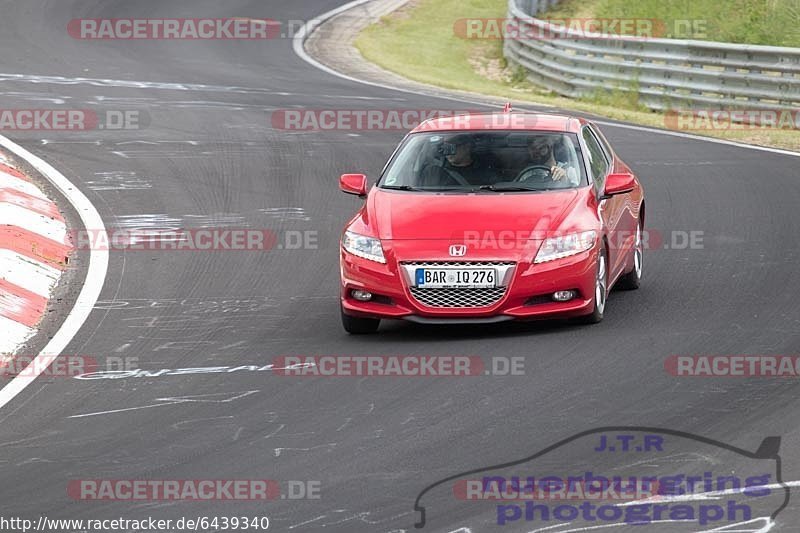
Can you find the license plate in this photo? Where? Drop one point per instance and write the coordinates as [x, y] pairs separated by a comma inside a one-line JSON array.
[[441, 278]]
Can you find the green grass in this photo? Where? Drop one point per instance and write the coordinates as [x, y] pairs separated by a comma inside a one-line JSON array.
[[767, 22], [418, 42], [425, 41]]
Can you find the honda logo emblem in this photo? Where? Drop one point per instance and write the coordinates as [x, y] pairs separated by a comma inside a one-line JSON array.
[[458, 250]]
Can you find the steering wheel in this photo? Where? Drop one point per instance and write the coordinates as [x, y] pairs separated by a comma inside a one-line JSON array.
[[530, 172]]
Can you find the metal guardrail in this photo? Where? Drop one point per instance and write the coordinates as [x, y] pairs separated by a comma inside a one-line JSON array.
[[667, 73]]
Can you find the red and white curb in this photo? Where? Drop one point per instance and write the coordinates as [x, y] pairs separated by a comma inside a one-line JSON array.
[[92, 283], [34, 251]]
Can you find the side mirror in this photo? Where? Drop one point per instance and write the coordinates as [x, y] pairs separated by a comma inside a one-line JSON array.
[[619, 184], [353, 184]]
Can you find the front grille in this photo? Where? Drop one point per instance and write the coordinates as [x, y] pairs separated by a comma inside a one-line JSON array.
[[472, 297], [459, 297]]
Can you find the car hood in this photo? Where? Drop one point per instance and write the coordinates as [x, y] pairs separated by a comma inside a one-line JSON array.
[[415, 216]]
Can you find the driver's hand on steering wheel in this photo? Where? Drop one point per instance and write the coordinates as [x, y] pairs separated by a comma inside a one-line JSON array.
[[557, 173]]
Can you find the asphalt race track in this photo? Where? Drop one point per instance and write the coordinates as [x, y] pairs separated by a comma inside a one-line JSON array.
[[210, 157]]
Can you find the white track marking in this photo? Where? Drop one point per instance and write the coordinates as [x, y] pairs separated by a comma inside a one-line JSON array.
[[199, 398], [114, 411], [95, 275], [694, 137], [299, 49], [590, 528], [103, 82], [768, 525], [306, 30], [767, 521]]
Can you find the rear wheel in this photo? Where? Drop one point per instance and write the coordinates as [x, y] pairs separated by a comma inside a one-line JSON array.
[[600, 290], [633, 279], [359, 326]]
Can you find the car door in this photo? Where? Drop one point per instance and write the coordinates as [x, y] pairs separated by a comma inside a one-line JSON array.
[[628, 222], [609, 210]]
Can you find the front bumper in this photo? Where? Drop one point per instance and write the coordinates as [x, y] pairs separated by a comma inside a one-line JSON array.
[[527, 294]]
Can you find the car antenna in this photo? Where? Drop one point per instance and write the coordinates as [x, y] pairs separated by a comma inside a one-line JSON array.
[[507, 108]]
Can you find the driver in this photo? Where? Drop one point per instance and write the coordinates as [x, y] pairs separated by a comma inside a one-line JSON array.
[[540, 150], [461, 165]]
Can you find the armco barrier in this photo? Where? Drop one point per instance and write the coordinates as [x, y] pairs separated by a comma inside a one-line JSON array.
[[34, 251], [667, 73]]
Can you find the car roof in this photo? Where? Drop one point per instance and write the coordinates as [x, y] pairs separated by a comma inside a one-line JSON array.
[[503, 121]]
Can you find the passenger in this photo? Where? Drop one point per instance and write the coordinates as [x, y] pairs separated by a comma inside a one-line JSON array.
[[461, 165]]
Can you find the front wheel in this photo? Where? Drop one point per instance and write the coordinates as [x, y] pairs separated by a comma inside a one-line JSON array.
[[600, 290], [359, 326], [633, 279]]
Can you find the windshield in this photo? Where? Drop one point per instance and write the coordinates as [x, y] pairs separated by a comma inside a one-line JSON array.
[[491, 161]]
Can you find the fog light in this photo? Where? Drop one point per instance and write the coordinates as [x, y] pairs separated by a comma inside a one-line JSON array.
[[361, 296], [563, 296]]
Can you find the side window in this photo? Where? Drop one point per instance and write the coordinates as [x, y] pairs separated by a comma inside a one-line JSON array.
[[603, 141], [598, 164]]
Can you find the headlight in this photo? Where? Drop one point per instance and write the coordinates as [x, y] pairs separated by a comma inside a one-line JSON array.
[[558, 247], [366, 247]]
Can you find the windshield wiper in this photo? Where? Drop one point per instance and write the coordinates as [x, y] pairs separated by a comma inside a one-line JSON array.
[[426, 189], [401, 188], [509, 187]]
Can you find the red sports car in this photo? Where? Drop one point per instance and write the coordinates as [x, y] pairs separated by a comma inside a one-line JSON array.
[[486, 218]]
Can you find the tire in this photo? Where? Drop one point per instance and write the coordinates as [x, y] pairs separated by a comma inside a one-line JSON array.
[[633, 279], [359, 326], [600, 291]]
